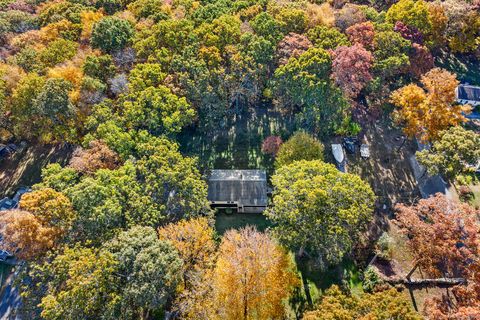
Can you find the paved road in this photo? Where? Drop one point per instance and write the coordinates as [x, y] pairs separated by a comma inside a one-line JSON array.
[[9, 301]]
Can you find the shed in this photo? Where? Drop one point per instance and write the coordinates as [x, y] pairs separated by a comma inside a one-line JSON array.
[[241, 190]]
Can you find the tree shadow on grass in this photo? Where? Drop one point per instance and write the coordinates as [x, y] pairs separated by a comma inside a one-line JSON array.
[[24, 167]]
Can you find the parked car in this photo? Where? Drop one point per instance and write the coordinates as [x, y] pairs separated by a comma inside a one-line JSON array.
[[21, 191], [7, 204], [350, 144], [12, 203], [4, 255]]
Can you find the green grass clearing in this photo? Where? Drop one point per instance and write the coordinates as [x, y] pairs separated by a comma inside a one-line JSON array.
[[224, 221]]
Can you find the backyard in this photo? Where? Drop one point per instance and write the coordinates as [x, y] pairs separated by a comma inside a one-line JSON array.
[[239, 147]]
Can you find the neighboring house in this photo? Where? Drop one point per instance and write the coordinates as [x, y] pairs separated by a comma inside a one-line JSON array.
[[468, 94], [240, 190]]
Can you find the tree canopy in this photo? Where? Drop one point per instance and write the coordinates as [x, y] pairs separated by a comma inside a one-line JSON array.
[[319, 209]]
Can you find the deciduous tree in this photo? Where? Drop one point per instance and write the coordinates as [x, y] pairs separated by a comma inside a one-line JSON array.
[[194, 241], [111, 34], [271, 145], [391, 54], [83, 285], [45, 217], [292, 45], [253, 276], [320, 209], [327, 38], [348, 16], [456, 151], [351, 69], [24, 235], [362, 33], [462, 29], [97, 156], [443, 235], [409, 33], [413, 13], [421, 60], [425, 112], [304, 83], [300, 146], [157, 110], [52, 208], [293, 20], [150, 271]]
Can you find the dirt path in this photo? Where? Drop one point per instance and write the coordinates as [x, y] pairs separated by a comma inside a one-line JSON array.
[[388, 169], [24, 167]]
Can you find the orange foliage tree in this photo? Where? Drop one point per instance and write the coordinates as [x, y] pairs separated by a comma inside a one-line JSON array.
[[444, 238], [24, 235], [253, 276], [426, 111], [45, 216], [97, 156], [194, 241]]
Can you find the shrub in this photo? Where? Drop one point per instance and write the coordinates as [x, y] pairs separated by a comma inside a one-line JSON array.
[[384, 246], [271, 145], [370, 279], [300, 146]]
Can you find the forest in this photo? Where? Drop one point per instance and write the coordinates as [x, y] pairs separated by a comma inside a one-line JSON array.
[[141, 99]]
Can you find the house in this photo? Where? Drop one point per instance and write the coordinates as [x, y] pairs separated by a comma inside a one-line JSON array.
[[467, 94], [244, 191]]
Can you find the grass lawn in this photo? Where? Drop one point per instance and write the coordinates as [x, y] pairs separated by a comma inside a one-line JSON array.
[[318, 281], [466, 67], [238, 144], [475, 202], [402, 261], [224, 221]]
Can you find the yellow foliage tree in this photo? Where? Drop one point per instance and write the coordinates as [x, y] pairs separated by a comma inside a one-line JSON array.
[[427, 111], [52, 208], [322, 14], [253, 276], [73, 74], [439, 23], [11, 75], [194, 240], [53, 31], [89, 18]]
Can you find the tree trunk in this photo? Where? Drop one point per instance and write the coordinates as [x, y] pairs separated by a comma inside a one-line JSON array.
[[437, 281], [411, 271]]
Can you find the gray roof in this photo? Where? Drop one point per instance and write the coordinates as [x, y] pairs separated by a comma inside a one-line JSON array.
[[247, 187], [467, 92]]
